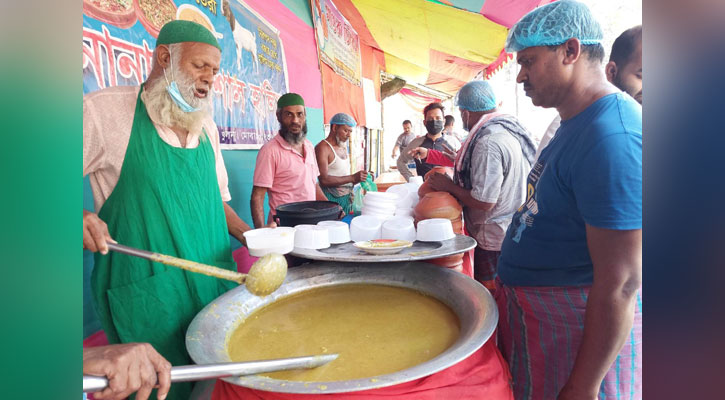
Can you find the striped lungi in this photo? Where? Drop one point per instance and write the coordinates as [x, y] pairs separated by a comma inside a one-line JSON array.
[[539, 332], [484, 267]]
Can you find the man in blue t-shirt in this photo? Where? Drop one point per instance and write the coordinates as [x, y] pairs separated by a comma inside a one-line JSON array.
[[571, 261]]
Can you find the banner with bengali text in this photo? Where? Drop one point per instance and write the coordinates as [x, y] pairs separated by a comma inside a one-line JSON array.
[[119, 37], [338, 43]]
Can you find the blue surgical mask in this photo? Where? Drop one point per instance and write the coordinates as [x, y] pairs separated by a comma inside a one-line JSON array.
[[173, 90]]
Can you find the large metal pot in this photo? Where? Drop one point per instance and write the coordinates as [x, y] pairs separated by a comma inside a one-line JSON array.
[[474, 305]]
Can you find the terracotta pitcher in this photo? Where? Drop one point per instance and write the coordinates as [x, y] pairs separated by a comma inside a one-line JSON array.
[[438, 205]]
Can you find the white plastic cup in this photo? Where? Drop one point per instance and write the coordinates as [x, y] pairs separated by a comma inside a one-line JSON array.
[[339, 232], [378, 202], [400, 228], [311, 237], [407, 195], [435, 230], [400, 190], [385, 209], [263, 241], [380, 196], [365, 227], [381, 216]]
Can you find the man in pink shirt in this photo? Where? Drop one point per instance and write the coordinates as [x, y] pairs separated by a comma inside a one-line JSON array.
[[286, 167]]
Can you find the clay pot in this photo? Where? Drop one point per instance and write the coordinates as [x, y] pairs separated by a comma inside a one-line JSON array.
[[454, 262], [424, 189], [448, 261], [457, 225], [439, 170], [438, 205]]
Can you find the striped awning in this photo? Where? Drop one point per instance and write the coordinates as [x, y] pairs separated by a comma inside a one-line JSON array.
[[440, 44]]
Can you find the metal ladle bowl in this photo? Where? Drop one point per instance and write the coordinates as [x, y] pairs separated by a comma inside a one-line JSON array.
[[206, 337]]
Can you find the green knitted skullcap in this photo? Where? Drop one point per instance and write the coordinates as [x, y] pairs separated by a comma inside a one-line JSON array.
[[290, 99], [180, 31]]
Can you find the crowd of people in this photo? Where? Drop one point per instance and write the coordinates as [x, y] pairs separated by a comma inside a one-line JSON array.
[[557, 226]]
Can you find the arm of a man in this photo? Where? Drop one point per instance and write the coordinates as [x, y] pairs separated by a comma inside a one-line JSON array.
[[265, 170], [617, 259], [611, 206], [402, 164], [404, 159], [256, 204], [236, 225], [95, 231], [129, 368], [398, 145], [486, 178], [442, 183]]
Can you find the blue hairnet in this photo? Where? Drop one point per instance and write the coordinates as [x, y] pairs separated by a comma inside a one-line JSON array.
[[476, 96], [342, 119], [554, 24]]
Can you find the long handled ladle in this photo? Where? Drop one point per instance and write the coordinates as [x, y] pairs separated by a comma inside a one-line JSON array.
[[264, 277], [189, 373]]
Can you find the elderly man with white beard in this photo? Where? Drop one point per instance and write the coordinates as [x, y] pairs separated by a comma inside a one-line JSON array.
[[159, 183]]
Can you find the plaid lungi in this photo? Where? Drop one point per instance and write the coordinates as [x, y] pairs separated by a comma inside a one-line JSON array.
[[484, 266], [539, 332]]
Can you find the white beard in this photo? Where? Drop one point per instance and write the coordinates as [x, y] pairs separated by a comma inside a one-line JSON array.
[[164, 111]]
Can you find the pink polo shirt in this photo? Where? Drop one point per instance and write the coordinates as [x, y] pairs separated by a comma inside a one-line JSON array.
[[288, 176]]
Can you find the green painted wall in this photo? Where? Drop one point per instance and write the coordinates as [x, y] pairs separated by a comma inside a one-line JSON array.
[[301, 8]]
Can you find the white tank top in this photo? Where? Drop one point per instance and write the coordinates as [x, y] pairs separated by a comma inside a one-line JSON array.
[[339, 166]]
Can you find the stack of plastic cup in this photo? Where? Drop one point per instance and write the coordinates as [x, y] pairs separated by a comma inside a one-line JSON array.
[[379, 204]]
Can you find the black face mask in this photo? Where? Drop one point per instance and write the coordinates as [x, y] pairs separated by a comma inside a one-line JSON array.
[[434, 126]]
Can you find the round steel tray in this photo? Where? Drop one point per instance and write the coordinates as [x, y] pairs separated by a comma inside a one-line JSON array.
[[347, 252], [476, 310]]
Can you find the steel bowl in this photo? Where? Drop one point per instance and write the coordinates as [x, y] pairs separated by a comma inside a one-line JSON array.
[[206, 337]]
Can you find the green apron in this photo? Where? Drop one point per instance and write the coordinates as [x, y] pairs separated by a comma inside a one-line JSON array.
[[166, 200]]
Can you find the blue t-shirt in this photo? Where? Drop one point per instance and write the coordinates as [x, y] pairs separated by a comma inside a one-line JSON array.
[[591, 173]]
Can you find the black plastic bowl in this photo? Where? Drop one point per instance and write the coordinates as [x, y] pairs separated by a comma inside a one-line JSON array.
[[307, 212]]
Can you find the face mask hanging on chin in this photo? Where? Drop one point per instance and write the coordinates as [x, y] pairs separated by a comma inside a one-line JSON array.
[[173, 90]]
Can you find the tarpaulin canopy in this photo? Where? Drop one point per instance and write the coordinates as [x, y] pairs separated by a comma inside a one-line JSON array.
[[440, 44], [415, 100]]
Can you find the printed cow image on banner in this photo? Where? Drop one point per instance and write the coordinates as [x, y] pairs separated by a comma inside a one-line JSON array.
[[119, 38]]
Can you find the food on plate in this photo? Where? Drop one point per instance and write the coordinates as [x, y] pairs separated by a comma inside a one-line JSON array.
[[119, 13], [117, 6], [384, 243], [154, 14]]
